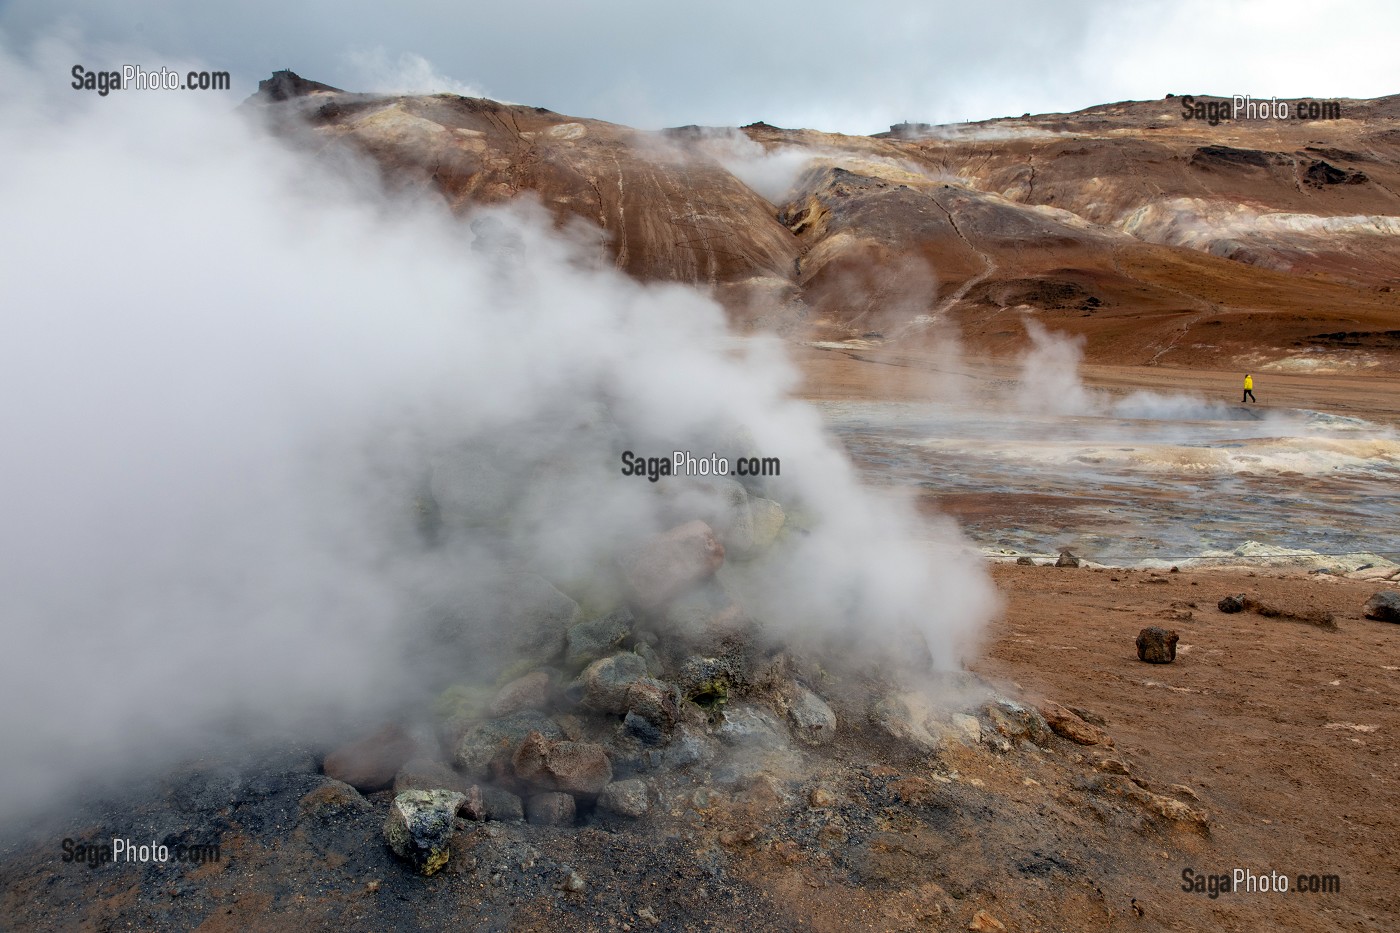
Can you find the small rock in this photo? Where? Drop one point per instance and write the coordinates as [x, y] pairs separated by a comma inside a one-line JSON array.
[[653, 701], [1384, 606], [1231, 604], [550, 809], [573, 883], [603, 684], [1067, 724], [369, 764], [1066, 559], [625, 798], [671, 562], [496, 739], [589, 641], [812, 718], [821, 798], [333, 798], [420, 827], [642, 729], [898, 718], [746, 724], [528, 692], [1157, 645], [500, 805], [1025, 561], [427, 774], [1017, 721], [571, 767], [648, 916], [1111, 766], [983, 922]]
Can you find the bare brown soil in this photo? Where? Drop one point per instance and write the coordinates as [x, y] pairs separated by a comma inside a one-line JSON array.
[[1286, 730]]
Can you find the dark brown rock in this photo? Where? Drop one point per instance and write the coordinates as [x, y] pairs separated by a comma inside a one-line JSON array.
[[571, 767], [1231, 604], [670, 563], [1157, 645], [1384, 606], [370, 764]]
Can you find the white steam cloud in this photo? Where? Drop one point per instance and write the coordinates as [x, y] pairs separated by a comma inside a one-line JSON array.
[[408, 73], [229, 381], [1050, 384]]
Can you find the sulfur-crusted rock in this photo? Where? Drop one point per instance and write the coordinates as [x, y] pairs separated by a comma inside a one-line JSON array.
[[420, 827]]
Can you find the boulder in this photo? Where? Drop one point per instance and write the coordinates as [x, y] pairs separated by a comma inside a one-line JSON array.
[[571, 767], [603, 686], [1024, 561], [812, 719], [1071, 726], [1157, 645], [1384, 606], [496, 739], [370, 763], [551, 809], [1066, 559], [625, 798], [528, 692], [420, 827], [589, 641], [672, 562], [1231, 604]]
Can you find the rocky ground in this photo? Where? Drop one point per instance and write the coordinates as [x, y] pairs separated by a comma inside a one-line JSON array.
[[1265, 745]]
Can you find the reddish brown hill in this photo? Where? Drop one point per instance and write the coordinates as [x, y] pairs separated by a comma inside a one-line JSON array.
[[1160, 239]]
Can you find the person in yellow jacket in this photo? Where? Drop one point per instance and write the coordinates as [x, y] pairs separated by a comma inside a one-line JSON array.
[[1248, 390]]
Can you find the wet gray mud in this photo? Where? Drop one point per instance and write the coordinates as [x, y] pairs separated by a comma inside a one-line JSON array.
[[1122, 490]]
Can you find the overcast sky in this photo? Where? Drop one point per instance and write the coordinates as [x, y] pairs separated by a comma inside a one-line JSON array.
[[847, 66]]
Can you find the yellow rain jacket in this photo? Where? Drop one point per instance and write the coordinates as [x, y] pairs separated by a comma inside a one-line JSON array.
[[1249, 382]]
